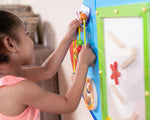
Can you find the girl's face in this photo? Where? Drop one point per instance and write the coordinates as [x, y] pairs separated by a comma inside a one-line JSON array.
[[26, 47]]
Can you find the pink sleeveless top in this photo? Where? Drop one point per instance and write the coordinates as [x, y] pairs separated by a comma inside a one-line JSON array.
[[30, 113]]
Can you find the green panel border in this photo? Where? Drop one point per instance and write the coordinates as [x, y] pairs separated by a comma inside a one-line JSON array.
[[132, 10]]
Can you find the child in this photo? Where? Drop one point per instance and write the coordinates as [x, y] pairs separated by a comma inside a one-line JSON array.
[[20, 97]]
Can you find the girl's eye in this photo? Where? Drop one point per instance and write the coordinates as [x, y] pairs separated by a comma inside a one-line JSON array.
[[27, 33]]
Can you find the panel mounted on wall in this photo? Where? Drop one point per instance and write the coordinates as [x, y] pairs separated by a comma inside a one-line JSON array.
[[93, 72], [124, 59]]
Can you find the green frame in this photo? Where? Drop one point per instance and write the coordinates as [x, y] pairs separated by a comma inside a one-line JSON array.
[[131, 10]]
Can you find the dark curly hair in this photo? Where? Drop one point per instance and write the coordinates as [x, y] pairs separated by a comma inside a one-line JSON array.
[[9, 24]]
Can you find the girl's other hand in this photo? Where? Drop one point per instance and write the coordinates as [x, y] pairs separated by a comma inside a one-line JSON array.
[[73, 29], [87, 56]]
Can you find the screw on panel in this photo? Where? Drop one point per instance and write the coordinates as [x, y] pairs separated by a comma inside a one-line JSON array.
[[96, 13], [116, 11], [146, 93], [144, 9]]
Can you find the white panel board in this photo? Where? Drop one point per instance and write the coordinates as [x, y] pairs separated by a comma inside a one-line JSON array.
[[129, 33]]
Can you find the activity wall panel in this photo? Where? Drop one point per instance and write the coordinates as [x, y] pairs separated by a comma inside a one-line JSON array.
[[123, 49]]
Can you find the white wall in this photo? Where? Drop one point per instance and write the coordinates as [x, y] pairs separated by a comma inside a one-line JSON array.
[[58, 14]]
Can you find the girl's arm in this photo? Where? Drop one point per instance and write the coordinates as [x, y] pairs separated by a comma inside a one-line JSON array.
[[31, 94], [53, 62]]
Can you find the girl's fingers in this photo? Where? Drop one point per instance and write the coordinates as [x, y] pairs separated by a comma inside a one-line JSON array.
[[74, 21], [88, 45], [76, 25], [81, 29]]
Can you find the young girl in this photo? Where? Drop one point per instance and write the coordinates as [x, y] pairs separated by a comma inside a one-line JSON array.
[[20, 97]]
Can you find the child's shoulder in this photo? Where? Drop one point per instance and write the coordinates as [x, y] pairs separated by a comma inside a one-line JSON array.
[[26, 92], [12, 94], [16, 86], [9, 80]]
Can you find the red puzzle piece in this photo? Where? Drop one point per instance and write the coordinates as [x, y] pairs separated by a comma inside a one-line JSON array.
[[115, 74]]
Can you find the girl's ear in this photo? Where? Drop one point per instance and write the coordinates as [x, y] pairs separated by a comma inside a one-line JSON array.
[[9, 44]]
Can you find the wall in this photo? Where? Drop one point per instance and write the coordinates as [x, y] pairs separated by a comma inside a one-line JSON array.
[[56, 16], [59, 13]]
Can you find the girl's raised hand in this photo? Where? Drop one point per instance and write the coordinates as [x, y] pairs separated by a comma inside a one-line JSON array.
[[72, 31], [87, 56]]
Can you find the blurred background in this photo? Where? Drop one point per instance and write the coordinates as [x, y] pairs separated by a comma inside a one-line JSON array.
[[47, 22]]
